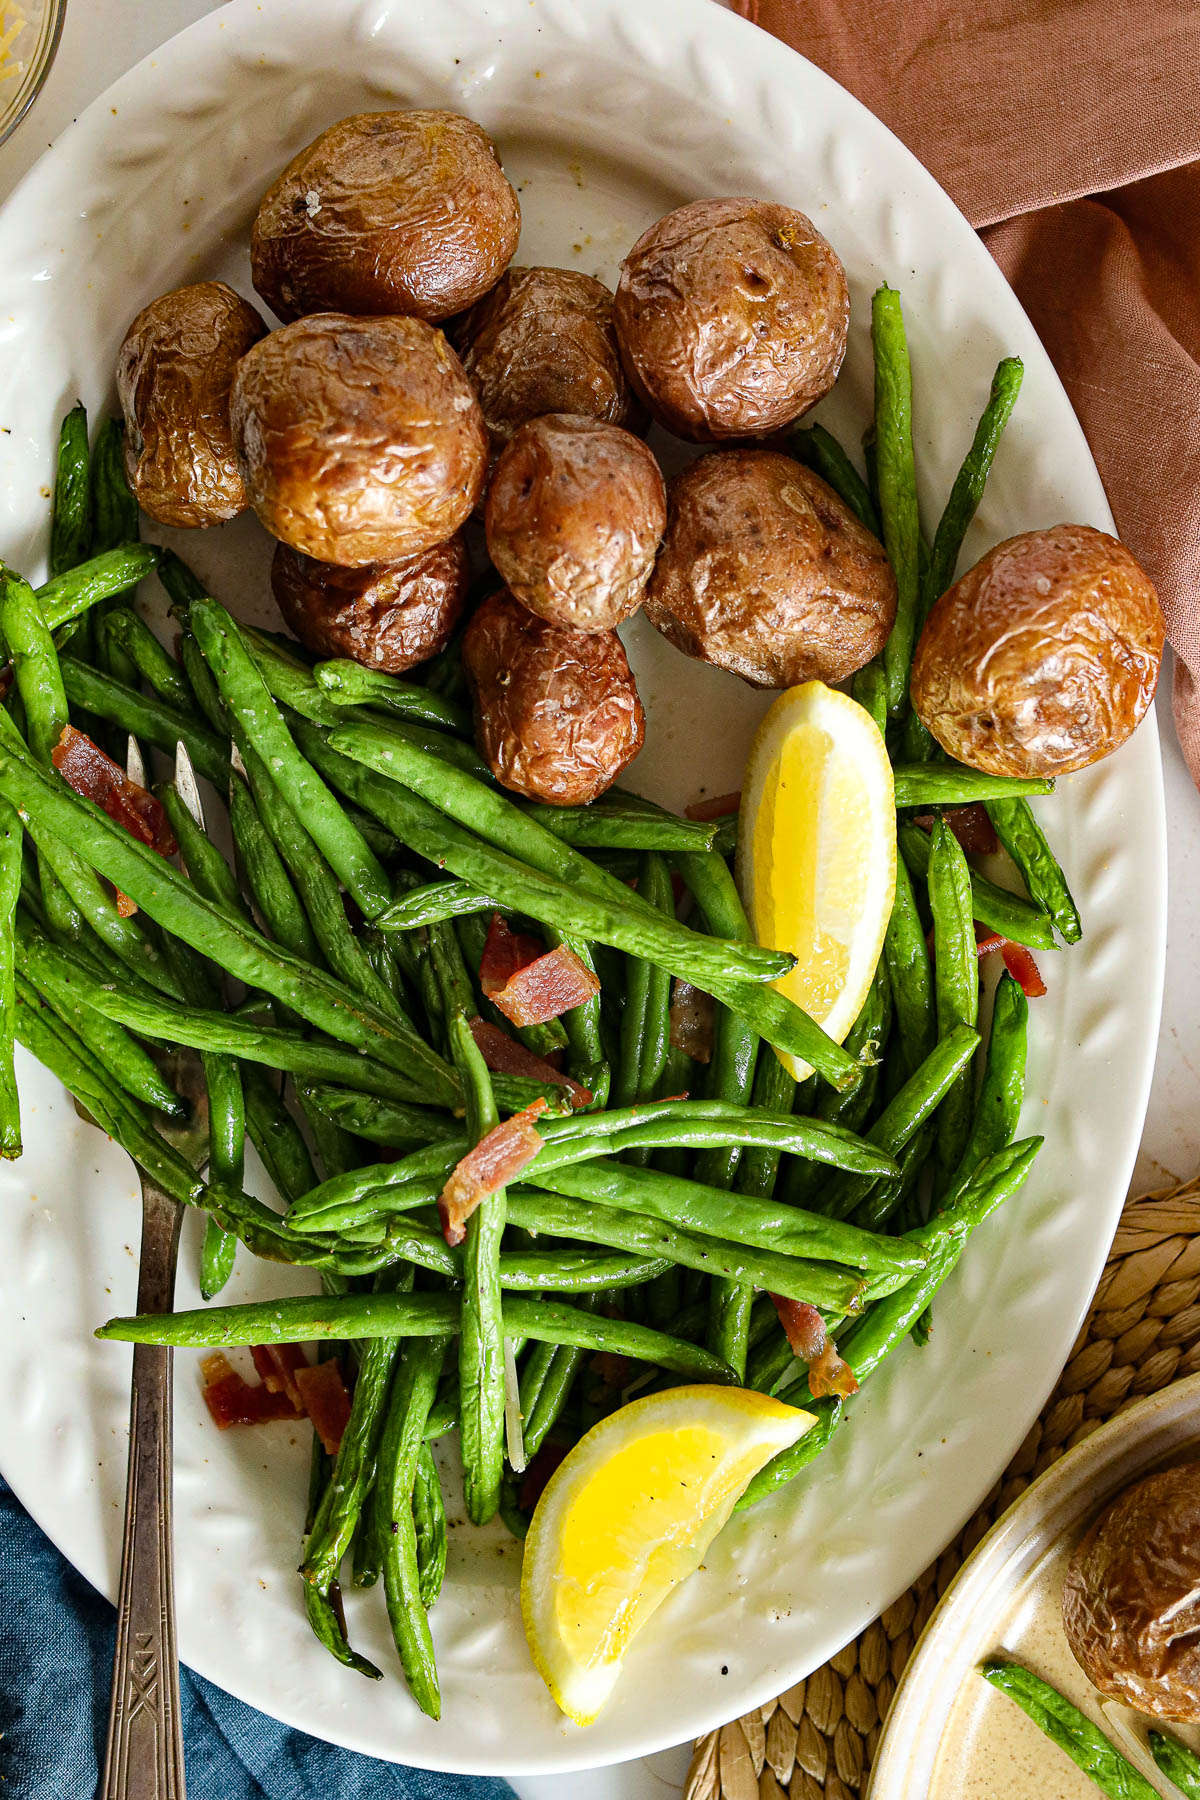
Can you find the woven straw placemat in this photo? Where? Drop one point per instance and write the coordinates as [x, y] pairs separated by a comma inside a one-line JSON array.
[[816, 1741]]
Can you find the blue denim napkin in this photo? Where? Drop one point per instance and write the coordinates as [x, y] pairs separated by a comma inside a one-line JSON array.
[[56, 1645]]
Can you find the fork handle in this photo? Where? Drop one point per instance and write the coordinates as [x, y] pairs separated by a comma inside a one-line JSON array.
[[144, 1759]]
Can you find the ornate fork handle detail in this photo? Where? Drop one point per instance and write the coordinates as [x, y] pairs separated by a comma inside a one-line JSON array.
[[144, 1760]]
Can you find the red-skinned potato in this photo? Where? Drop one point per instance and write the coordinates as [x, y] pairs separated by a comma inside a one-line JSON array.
[[766, 572], [174, 374], [1130, 1606], [389, 212], [732, 318], [388, 616], [575, 512], [557, 714], [1043, 657], [543, 341], [359, 440]]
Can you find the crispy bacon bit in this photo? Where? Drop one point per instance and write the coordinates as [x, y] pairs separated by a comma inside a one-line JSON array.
[[505, 1056], [971, 825], [539, 1472], [125, 906], [614, 1369], [1021, 966], [546, 988], [1017, 960], [326, 1401], [504, 953], [719, 806], [496, 1158], [692, 1019], [278, 1364], [234, 1401], [806, 1333], [97, 777]]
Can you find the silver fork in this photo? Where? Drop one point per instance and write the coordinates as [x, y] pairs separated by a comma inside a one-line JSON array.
[[144, 1758]]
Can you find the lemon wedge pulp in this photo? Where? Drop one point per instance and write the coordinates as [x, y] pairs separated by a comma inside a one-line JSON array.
[[816, 857], [629, 1512]]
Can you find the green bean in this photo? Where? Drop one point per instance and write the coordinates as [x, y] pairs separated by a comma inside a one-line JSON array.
[[1071, 1730], [969, 483], [433, 903], [145, 716], [181, 584], [267, 878], [317, 886], [887, 1322], [114, 509], [11, 858], [761, 1224], [205, 865], [586, 1062], [645, 1016], [870, 690], [124, 937], [729, 972], [1009, 914], [350, 684], [204, 688], [391, 1522], [897, 484], [384, 1121], [953, 784], [774, 1091], [956, 983], [820, 451], [245, 694], [906, 1112], [907, 958], [481, 1349], [150, 659], [70, 517], [329, 1629], [999, 1104], [118, 1053], [622, 827], [578, 1272], [353, 1466], [74, 591], [373, 1316], [223, 1034], [1025, 842], [887, 1200], [850, 1108], [552, 1396], [429, 1523], [169, 899], [1177, 1762]]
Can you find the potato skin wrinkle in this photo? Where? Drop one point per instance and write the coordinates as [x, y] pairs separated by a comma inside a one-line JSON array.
[[1130, 1606], [388, 616], [765, 572], [543, 341], [557, 714], [175, 370], [575, 512], [1042, 658], [732, 317], [388, 212], [359, 440]]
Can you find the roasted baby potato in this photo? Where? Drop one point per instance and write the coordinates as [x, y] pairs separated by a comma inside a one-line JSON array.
[[575, 511], [1043, 657], [543, 342], [174, 372], [557, 714], [765, 572], [732, 318], [359, 440], [385, 615], [389, 212], [1130, 1606]]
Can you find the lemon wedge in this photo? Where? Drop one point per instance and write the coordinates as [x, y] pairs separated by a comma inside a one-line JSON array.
[[628, 1513], [816, 856]]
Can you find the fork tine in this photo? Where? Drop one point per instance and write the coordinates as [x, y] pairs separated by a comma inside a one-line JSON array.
[[186, 784], [135, 768]]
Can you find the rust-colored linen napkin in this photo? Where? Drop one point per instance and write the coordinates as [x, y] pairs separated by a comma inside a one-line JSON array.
[[1068, 131]]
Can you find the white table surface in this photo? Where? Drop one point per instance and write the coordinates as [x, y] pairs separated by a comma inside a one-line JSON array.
[[103, 38]]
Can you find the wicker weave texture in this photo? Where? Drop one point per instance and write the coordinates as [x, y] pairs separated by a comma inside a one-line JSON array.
[[816, 1741]]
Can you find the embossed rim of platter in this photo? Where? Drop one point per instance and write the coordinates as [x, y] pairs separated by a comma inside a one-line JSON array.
[[699, 97]]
